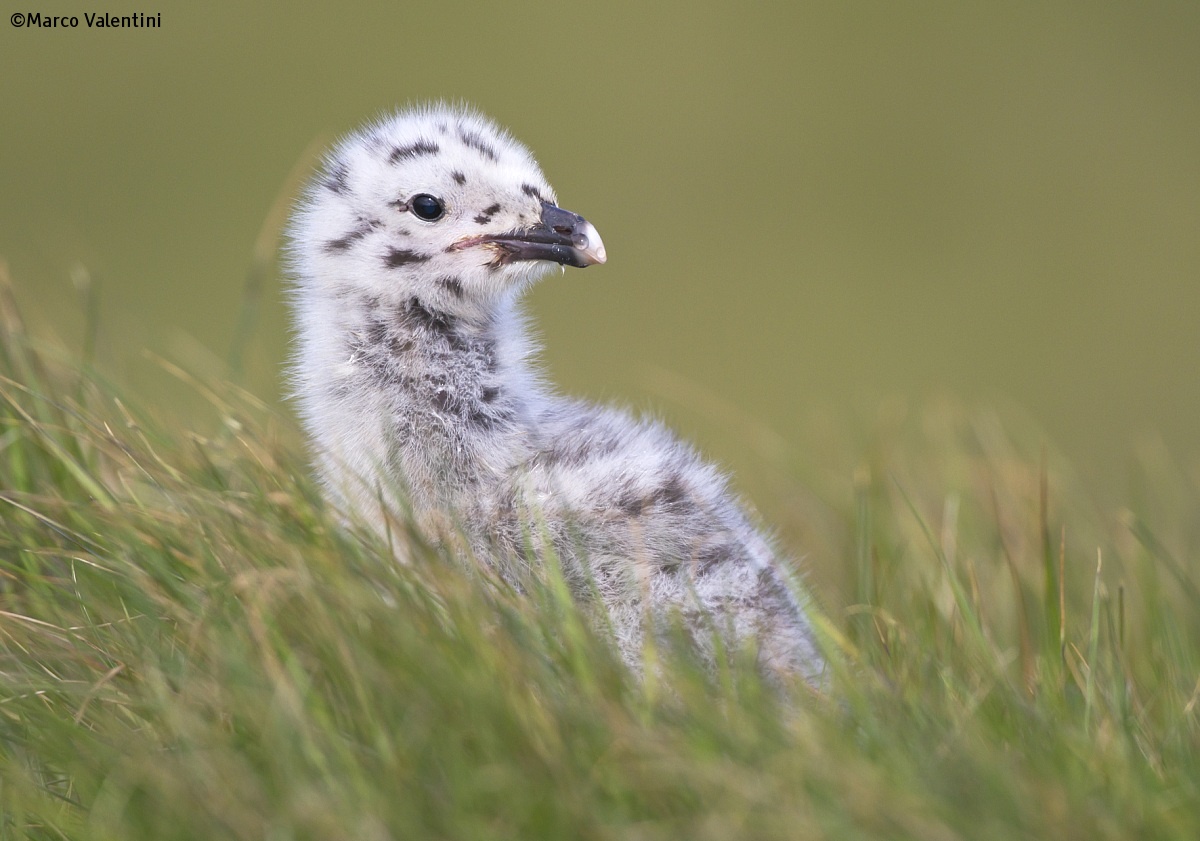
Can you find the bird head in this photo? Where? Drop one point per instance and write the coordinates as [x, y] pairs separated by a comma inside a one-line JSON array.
[[437, 203]]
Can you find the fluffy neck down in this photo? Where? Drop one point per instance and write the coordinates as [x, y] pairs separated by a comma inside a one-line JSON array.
[[414, 406]]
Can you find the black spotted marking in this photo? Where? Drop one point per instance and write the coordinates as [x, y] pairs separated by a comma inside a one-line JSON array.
[[364, 227], [337, 181], [398, 346], [452, 285], [399, 204], [414, 313], [488, 419], [771, 583], [413, 150], [458, 177], [443, 400], [672, 492], [397, 257], [443, 128], [487, 214], [473, 140], [490, 393], [711, 556], [458, 343], [632, 503], [530, 190], [480, 419]]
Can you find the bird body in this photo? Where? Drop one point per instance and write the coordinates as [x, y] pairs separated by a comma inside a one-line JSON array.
[[416, 383]]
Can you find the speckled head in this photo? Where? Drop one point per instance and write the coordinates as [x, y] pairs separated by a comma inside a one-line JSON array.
[[439, 203]]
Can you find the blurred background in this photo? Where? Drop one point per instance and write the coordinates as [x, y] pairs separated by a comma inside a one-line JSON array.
[[814, 212]]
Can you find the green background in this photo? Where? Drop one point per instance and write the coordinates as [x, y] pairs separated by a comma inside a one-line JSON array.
[[811, 210]]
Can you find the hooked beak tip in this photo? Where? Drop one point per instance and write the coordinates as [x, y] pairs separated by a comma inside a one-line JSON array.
[[588, 242]]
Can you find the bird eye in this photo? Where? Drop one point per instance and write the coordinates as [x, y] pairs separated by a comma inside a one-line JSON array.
[[427, 207]]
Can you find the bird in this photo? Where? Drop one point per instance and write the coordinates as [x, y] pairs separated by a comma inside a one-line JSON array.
[[418, 386]]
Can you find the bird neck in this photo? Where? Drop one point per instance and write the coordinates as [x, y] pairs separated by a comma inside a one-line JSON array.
[[411, 400]]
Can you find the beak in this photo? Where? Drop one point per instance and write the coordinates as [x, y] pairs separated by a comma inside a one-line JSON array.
[[560, 236]]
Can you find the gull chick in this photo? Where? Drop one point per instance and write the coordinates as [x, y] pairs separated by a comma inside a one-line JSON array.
[[415, 379]]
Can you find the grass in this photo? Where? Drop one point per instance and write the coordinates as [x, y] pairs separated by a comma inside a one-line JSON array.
[[190, 647]]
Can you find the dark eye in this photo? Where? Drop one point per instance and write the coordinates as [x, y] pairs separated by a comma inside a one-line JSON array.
[[427, 207]]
